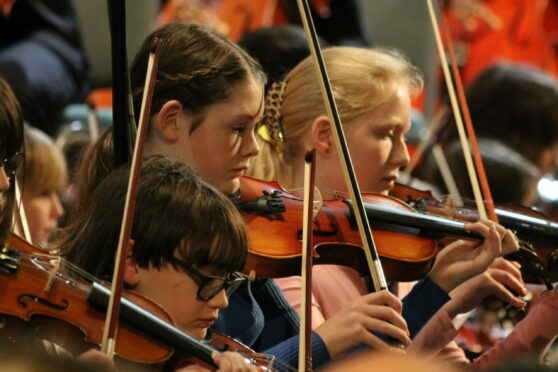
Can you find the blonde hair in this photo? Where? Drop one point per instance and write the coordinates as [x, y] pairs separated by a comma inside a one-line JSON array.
[[361, 80], [45, 167]]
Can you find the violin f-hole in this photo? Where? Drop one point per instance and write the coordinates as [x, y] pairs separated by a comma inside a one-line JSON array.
[[21, 300], [332, 232]]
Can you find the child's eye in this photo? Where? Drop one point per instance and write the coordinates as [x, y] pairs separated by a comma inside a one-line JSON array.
[[238, 130], [387, 134], [45, 193]]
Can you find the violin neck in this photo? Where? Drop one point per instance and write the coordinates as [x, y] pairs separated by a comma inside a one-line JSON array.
[[426, 223], [523, 223], [153, 326]]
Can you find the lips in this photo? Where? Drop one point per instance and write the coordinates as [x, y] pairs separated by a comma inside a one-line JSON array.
[[206, 323], [240, 169]]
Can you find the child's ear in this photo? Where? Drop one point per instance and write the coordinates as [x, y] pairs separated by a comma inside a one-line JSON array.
[[166, 122], [322, 136], [131, 270]]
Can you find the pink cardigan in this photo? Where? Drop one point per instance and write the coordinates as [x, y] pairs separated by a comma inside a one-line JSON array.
[[534, 334]]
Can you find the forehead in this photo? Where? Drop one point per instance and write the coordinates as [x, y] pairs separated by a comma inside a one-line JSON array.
[[245, 105], [395, 111]]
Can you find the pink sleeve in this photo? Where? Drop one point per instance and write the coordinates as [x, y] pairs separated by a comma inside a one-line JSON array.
[[534, 334], [332, 287], [291, 288]]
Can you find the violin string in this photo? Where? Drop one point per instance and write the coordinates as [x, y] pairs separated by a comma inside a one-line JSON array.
[[66, 265], [71, 268], [284, 365]]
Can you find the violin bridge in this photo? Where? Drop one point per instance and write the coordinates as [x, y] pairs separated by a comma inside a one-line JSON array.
[[52, 275], [449, 207]]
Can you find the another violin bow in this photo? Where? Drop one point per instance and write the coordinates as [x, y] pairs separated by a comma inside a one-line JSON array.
[[93, 122], [109, 333], [20, 216], [374, 264], [305, 341], [460, 127]]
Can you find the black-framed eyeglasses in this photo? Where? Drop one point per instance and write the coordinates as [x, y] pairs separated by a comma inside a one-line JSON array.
[[208, 285], [10, 164]]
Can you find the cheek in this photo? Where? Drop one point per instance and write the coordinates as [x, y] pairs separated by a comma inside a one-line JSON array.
[[373, 165], [36, 211]]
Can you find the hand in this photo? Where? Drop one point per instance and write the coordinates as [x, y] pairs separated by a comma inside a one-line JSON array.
[[375, 312], [500, 280], [96, 359], [227, 362], [233, 362], [463, 259]]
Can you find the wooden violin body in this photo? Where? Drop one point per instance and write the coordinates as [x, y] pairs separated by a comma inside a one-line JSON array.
[[407, 241], [40, 300]]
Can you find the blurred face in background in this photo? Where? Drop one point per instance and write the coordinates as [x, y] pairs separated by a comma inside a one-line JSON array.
[[43, 210]]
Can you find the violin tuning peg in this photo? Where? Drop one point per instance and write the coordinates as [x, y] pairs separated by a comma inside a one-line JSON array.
[[252, 275]]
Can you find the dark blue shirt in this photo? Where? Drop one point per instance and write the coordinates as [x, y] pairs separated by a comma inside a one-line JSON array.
[[259, 316]]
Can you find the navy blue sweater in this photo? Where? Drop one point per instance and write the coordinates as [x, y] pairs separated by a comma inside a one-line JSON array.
[[259, 316]]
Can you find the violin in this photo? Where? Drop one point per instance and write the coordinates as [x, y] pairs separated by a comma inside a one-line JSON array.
[[38, 298], [408, 241], [530, 225]]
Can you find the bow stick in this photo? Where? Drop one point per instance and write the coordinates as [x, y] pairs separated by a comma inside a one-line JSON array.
[[305, 340], [19, 215], [489, 202], [374, 264], [458, 117], [109, 333]]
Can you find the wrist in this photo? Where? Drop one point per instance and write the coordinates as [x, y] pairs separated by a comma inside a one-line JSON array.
[[441, 282], [451, 309]]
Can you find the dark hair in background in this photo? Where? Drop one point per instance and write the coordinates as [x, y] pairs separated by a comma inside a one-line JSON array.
[[516, 104], [11, 142], [198, 67], [97, 161], [176, 213], [511, 177], [278, 49]]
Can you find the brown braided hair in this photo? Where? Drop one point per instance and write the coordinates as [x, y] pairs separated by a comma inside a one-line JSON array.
[[198, 67]]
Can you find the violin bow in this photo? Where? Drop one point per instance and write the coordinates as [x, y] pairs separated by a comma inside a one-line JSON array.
[[489, 202], [20, 216], [480, 202], [111, 322], [93, 123], [305, 340], [374, 264]]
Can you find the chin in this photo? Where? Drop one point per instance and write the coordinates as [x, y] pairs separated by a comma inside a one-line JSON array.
[[198, 333], [229, 187]]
